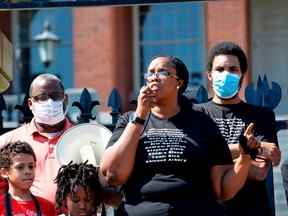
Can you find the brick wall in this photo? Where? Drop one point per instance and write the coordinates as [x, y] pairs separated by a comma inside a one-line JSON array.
[[103, 50], [229, 20]]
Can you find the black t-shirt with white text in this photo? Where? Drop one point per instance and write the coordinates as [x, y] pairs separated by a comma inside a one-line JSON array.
[[171, 174], [232, 119]]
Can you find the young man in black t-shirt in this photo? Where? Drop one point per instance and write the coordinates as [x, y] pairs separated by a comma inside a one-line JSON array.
[[227, 65]]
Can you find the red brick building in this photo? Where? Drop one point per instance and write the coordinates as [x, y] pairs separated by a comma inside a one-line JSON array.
[[104, 47], [110, 49]]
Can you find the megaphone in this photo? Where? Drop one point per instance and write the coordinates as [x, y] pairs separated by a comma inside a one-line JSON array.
[[83, 142]]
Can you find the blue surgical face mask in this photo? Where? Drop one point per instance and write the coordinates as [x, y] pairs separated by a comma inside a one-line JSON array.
[[225, 84]]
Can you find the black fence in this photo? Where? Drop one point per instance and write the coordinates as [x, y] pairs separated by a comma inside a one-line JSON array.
[[85, 106], [261, 94]]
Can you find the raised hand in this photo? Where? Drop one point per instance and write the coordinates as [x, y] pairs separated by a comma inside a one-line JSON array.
[[252, 142], [248, 142], [145, 101], [271, 152]]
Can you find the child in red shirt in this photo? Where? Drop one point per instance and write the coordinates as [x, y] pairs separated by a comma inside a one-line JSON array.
[[78, 190], [17, 166]]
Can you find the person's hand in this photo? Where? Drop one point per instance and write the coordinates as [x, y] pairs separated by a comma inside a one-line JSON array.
[[271, 152], [145, 102], [248, 142], [252, 142], [259, 169]]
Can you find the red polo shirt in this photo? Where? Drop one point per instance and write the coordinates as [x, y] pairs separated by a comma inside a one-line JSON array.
[[44, 147]]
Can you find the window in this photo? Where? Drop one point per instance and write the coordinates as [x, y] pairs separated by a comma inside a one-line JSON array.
[[172, 29]]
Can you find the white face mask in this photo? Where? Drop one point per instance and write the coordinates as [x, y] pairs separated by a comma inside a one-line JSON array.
[[48, 112]]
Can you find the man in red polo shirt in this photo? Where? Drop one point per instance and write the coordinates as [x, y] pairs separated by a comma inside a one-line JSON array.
[[48, 104]]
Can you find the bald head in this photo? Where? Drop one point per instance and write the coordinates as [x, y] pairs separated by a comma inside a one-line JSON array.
[[45, 82]]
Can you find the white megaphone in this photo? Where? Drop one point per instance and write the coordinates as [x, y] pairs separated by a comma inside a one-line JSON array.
[[83, 142]]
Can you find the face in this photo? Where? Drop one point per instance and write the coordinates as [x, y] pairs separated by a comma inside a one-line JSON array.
[[22, 171], [48, 104], [229, 63], [161, 77], [82, 204], [225, 78], [44, 89]]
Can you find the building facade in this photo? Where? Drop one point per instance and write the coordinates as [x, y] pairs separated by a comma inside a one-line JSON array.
[[109, 47]]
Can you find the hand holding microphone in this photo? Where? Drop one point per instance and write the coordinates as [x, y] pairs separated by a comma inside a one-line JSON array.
[[146, 100]]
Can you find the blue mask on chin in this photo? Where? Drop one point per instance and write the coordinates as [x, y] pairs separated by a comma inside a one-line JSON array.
[[225, 84]]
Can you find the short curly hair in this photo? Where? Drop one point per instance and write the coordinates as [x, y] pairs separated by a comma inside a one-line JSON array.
[[12, 149], [228, 48]]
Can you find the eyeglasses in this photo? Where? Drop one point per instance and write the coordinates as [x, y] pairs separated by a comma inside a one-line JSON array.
[[160, 74], [56, 96]]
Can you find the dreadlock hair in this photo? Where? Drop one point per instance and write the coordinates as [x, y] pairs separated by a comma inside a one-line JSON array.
[[76, 174], [11, 149]]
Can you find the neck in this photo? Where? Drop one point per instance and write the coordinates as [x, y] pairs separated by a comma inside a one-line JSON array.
[[20, 194], [167, 109], [234, 100], [43, 128]]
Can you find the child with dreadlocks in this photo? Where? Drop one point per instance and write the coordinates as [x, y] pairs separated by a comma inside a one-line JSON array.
[[78, 189], [17, 166]]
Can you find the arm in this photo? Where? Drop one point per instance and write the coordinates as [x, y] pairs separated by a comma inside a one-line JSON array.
[[109, 195], [227, 180], [271, 152], [235, 151], [269, 148], [259, 168], [118, 160]]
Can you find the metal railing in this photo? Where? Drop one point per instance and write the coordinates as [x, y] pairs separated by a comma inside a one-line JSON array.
[[261, 94]]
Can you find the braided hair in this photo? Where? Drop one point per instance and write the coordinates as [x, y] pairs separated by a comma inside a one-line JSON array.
[[10, 150], [76, 174]]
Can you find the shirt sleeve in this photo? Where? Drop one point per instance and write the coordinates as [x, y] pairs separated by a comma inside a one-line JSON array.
[[266, 126], [218, 150], [119, 128]]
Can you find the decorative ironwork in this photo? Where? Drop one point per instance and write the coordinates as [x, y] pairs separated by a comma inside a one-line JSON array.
[[25, 110], [114, 102], [85, 106]]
